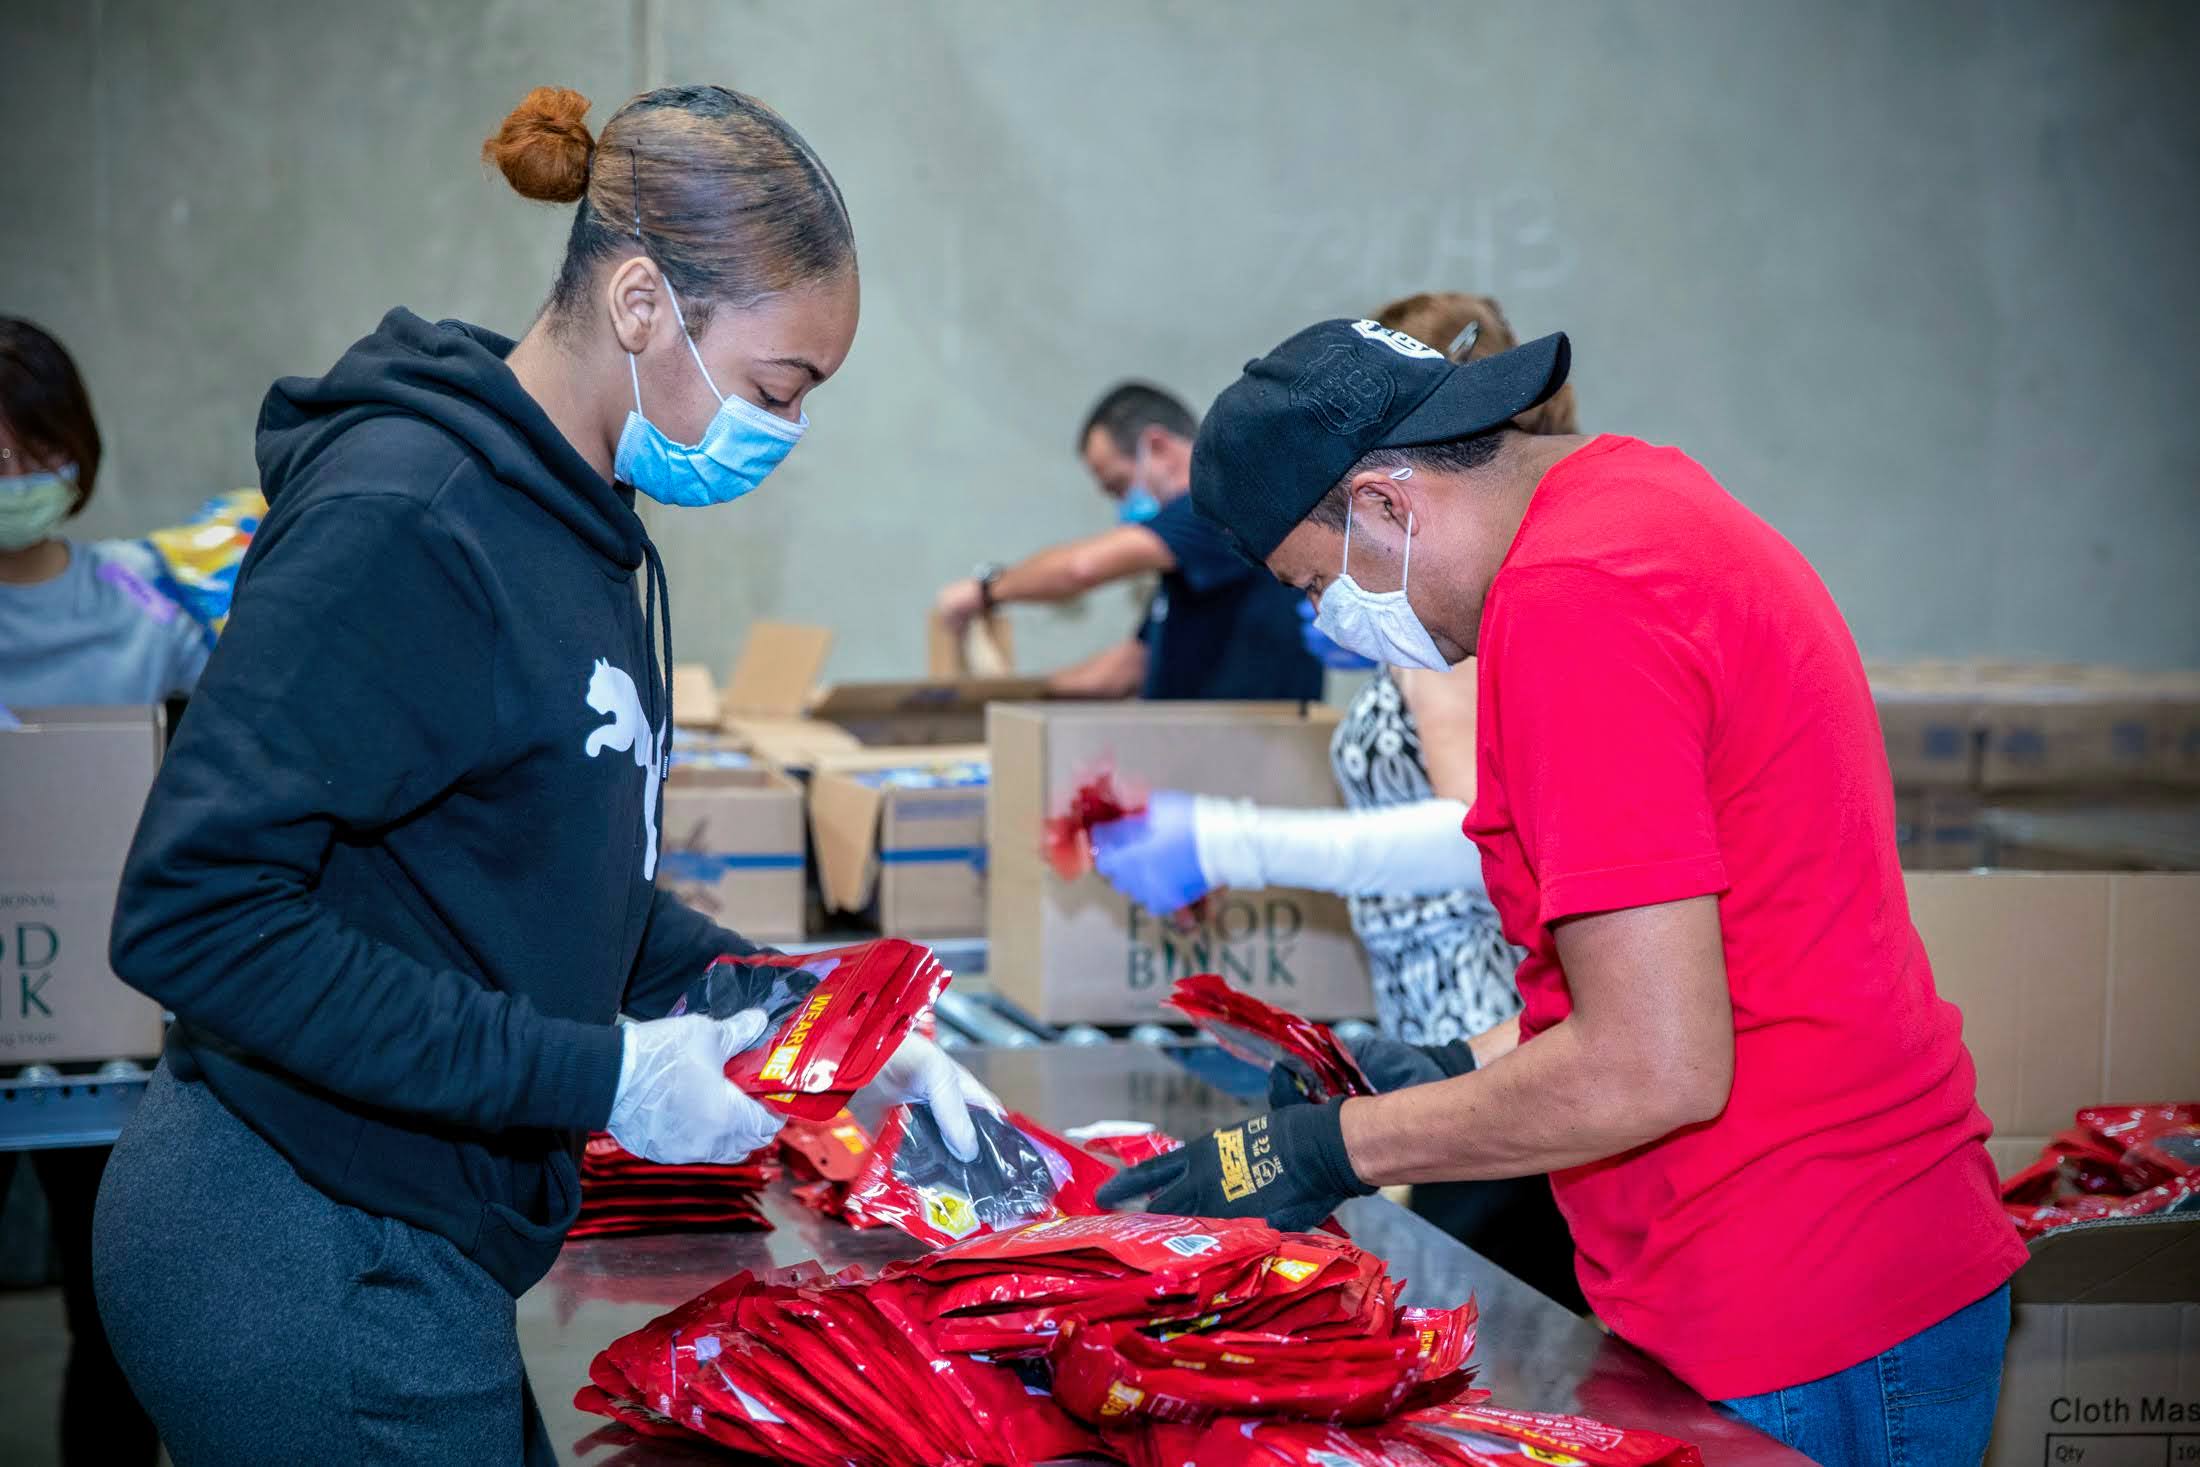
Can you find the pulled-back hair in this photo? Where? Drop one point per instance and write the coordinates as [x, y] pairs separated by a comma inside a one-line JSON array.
[[723, 194]]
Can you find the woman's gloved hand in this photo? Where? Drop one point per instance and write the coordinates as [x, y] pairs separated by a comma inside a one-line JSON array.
[[1325, 651], [1153, 857], [1390, 1064], [922, 1073], [674, 1102]]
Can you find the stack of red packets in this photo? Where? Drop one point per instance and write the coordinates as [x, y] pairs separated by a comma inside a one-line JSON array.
[[1061, 1338], [2116, 1161], [1264, 1035], [623, 1194]]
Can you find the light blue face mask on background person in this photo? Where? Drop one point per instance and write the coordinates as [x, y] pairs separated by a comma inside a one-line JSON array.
[[740, 446], [32, 506], [1379, 625], [1138, 504]]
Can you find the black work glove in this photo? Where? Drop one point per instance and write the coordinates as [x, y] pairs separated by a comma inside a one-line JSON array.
[[1390, 1064], [1288, 1168]]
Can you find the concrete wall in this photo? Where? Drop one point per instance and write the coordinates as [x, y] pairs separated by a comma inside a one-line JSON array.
[[1915, 281]]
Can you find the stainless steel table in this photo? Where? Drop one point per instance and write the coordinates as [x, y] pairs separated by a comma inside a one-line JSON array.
[[1532, 1353]]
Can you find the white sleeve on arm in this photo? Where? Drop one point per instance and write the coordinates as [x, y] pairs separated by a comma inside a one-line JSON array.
[[1403, 850]]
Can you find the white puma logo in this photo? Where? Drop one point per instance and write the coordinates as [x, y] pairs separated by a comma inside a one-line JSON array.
[[611, 691]]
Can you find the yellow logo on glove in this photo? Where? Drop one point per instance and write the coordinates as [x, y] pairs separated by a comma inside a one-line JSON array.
[[1237, 1174]]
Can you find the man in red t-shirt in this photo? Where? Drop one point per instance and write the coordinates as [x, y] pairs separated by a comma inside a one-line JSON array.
[[1758, 1115]]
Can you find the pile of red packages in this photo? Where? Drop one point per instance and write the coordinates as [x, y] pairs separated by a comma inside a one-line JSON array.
[[1084, 1335], [1264, 1035], [836, 1017], [622, 1194], [1023, 1173], [2115, 1161]]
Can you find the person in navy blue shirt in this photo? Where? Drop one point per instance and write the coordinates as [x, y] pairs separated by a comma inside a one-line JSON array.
[[1214, 628]]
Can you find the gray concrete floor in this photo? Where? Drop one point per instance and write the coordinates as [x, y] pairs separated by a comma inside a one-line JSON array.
[[33, 1342]]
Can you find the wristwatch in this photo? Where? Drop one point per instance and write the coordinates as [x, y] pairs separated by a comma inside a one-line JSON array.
[[986, 575]]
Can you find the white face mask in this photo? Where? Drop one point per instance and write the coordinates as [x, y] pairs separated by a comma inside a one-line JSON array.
[[1379, 625]]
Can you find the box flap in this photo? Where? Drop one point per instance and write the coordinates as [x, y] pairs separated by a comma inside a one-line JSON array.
[[2130, 1260], [694, 696], [986, 648], [844, 825], [790, 743], [869, 699], [780, 662]]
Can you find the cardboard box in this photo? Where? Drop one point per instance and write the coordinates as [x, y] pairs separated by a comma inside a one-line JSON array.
[[900, 838], [2076, 987], [1909, 828], [73, 782], [774, 705], [1950, 836], [985, 648], [1078, 951], [2098, 730], [2103, 1367], [1929, 728], [733, 843]]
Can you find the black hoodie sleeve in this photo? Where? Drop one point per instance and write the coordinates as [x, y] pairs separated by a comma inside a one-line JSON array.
[[353, 689], [679, 944]]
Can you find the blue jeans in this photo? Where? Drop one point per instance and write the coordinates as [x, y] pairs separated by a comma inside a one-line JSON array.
[[1927, 1402]]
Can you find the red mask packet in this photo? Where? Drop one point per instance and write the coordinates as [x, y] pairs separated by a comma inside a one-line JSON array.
[[1022, 1173], [837, 1017], [1264, 1035]]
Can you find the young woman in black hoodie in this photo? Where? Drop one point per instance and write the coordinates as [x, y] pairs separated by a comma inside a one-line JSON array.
[[396, 876]]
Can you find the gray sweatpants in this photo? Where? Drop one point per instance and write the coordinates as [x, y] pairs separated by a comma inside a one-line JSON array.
[[260, 1321]]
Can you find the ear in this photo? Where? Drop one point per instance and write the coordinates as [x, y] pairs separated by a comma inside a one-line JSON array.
[[1384, 498], [635, 296], [1153, 439]]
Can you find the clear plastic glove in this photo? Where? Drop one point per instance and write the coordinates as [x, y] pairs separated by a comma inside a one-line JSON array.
[[1325, 651], [922, 1073], [675, 1103], [1153, 857]]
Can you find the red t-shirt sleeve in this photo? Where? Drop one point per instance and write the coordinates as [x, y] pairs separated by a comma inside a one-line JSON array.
[[1604, 715]]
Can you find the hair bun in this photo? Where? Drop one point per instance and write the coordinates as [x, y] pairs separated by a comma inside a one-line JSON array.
[[542, 147]]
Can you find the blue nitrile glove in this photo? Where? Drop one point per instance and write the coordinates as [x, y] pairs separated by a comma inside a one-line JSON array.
[[1326, 652], [1390, 1064], [1153, 857]]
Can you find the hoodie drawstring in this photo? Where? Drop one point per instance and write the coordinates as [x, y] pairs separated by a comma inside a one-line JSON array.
[[656, 632]]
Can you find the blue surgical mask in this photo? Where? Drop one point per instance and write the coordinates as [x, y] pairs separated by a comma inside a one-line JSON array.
[[1379, 625], [741, 445], [32, 506], [1137, 505]]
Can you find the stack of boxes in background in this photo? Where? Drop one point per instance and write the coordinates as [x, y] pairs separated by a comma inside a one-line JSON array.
[[2041, 766], [795, 808]]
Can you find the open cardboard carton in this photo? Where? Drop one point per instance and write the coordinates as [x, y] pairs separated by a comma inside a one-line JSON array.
[[773, 703], [73, 782], [2103, 1365], [2077, 989], [900, 837]]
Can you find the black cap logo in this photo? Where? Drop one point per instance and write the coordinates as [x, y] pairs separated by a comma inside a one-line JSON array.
[[1339, 390]]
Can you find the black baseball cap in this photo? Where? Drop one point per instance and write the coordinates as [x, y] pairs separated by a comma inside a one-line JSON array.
[[1282, 434]]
